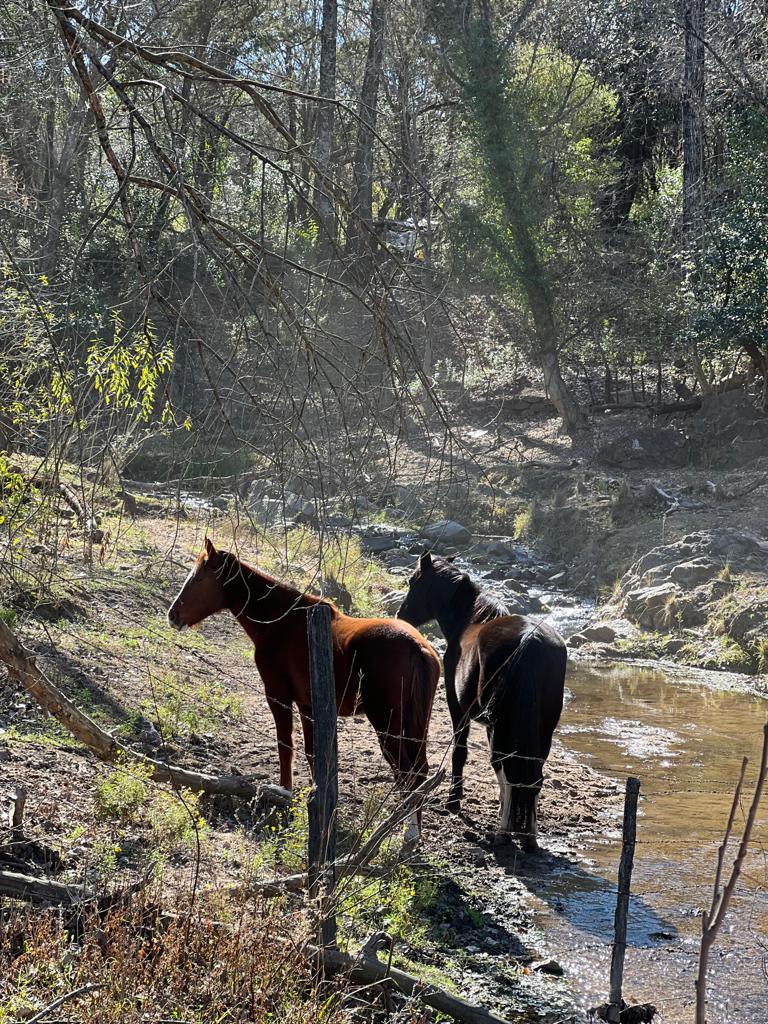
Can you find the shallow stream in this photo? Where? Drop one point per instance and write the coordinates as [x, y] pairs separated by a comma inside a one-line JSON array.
[[685, 743]]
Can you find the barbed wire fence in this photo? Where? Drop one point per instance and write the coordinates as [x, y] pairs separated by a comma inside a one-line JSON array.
[[349, 757]]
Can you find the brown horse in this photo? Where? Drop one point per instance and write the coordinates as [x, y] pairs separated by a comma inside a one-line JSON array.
[[506, 671], [382, 667]]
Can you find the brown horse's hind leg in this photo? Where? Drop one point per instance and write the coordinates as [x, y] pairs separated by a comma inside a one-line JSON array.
[[394, 747], [307, 727], [283, 716]]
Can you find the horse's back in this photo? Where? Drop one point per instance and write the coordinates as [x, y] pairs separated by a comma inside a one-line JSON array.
[[372, 637], [523, 664]]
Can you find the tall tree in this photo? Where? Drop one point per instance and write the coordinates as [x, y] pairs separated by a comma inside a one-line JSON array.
[[362, 187], [693, 121], [504, 142], [324, 125], [693, 154]]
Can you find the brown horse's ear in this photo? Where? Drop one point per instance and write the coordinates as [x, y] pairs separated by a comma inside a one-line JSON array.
[[425, 560], [210, 550]]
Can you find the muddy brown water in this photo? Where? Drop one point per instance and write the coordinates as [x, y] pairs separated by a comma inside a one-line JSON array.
[[685, 743]]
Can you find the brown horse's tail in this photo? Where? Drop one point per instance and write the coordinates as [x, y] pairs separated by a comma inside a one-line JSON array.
[[425, 673]]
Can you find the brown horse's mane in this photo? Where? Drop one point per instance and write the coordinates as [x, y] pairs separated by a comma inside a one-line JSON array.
[[236, 568]]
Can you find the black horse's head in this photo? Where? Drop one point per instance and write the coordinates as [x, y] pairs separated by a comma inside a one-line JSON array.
[[429, 589]]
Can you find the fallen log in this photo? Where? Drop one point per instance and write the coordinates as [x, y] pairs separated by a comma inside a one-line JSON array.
[[367, 969], [41, 890], [22, 667]]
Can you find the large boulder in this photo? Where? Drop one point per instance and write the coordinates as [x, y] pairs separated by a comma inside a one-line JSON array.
[[694, 572], [600, 633], [650, 606], [280, 512], [448, 532], [391, 601]]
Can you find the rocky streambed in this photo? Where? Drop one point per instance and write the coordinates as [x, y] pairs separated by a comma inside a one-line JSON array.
[[701, 601]]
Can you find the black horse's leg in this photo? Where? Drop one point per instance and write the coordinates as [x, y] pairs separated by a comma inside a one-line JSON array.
[[458, 760], [460, 721]]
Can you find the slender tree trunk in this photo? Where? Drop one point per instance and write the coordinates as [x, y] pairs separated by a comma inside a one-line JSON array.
[[500, 139], [362, 193], [693, 153], [324, 126], [693, 123]]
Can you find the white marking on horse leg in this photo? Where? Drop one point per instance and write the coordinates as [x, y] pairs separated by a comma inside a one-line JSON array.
[[504, 830], [412, 830]]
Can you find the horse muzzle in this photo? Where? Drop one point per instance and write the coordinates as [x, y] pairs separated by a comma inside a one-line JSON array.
[[174, 619]]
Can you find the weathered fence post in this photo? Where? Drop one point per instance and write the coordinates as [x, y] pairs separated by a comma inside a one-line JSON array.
[[325, 793], [622, 898]]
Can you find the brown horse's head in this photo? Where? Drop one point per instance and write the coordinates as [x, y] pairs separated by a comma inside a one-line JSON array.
[[428, 588], [203, 591]]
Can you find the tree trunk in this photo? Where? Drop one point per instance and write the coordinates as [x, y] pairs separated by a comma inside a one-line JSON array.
[[500, 139], [693, 123], [362, 193], [324, 127]]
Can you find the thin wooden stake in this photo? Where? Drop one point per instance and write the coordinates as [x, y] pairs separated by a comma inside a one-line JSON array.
[[622, 898], [325, 793], [16, 813]]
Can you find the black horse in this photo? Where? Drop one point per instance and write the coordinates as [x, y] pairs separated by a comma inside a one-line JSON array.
[[506, 671]]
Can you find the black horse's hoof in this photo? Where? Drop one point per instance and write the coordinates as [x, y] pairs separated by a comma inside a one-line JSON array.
[[453, 804]]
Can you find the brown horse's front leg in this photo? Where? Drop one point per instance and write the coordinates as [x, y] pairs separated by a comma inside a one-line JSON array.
[[283, 716]]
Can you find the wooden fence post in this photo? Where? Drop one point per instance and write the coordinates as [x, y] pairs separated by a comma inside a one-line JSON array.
[[622, 898], [325, 792]]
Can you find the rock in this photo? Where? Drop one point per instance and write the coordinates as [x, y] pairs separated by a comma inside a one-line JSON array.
[[648, 447], [391, 601], [399, 560], [697, 570], [376, 539], [515, 586], [501, 549], [550, 966], [259, 489], [650, 606], [674, 645], [600, 633], [577, 640], [448, 532], [271, 511]]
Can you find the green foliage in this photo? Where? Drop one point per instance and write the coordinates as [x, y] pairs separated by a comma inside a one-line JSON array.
[[126, 372], [399, 903], [285, 844], [181, 708], [122, 796], [176, 818], [729, 300], [127, 796]]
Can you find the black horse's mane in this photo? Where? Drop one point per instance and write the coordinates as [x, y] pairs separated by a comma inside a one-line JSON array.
[[468, 596]]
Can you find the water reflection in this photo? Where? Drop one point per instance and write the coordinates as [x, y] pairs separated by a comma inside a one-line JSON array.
[[685, 743]]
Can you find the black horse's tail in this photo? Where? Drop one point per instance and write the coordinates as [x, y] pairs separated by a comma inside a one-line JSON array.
[[425, 673], [525, 707]]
